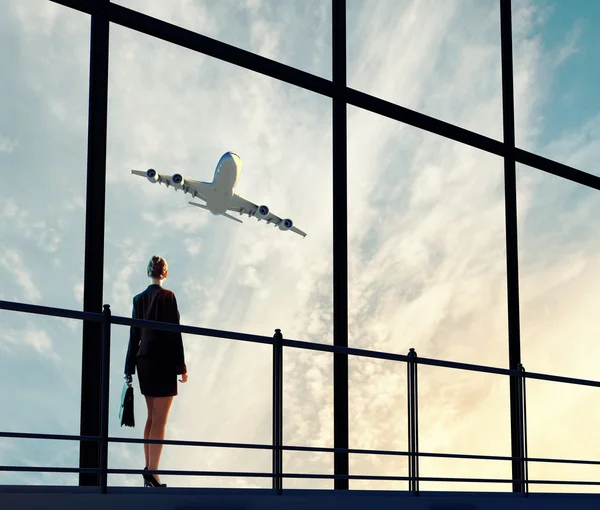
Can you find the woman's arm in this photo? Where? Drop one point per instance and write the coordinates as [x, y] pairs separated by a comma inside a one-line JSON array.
[[134, 343], [178, 340]]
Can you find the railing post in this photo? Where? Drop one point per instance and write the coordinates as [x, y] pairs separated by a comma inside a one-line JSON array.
[[408, 416], [413, 422], [523, 429], [277, 411], [106, 322]]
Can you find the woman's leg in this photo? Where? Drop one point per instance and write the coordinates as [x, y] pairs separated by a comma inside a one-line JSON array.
[[150, 406], [160, 408]]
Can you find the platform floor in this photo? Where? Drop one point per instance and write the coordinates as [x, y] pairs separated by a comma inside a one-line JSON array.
[[87, 498]]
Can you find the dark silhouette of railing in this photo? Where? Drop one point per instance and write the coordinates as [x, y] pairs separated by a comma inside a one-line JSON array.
[[277, 446]]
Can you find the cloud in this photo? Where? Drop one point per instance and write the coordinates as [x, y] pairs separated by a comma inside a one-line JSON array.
[[193, 246], [78, 291], [570, 44], [38, 22], [578, 147], [182, 219], [7, 144], [37, 340], [13, 264], [251, 278], [10, 209]]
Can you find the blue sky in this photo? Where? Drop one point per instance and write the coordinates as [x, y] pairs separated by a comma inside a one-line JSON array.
[[426, 228]]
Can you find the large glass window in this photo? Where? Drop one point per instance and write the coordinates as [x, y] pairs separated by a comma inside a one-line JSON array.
[[426, 224]]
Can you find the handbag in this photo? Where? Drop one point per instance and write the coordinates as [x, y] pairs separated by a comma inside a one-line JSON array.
[[126, 412]]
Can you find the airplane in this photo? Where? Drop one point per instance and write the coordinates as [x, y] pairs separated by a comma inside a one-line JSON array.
[[219, 195]]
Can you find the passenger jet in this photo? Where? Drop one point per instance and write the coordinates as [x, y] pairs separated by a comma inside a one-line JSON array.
[[219, 195]]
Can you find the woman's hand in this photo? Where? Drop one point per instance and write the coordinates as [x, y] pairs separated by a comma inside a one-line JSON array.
[[184, 378]]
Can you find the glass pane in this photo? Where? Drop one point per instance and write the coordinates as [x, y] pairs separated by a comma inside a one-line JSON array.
[[565, 430], [44, 57], [44, 54], [245, 277], [438, 58], [378, 421], [294, 33], [178, 111], [427, 270], [40, 363], [558, 258], [463, 412], [556, 51], [227, 399], [427, 264], [307, 416]]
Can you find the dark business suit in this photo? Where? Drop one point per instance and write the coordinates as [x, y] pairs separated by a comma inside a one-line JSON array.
[[158, 355]]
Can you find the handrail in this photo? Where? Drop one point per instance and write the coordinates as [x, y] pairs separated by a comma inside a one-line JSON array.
[[277, 446], [240, 474], [314, 346], [49, 310], [314, 449]]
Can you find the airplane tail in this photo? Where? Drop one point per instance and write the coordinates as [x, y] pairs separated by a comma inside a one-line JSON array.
[[202, 206]]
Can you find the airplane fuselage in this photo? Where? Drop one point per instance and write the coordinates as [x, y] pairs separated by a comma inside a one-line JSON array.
[[227, 173]]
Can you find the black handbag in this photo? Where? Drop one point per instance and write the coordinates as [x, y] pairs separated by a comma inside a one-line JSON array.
[[126, 412]]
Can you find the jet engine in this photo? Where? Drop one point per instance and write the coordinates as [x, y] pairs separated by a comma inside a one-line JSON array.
[[151, 175], [177, 181], [286, 224], [262, 211]]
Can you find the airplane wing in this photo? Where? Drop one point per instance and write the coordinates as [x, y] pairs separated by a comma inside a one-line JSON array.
[[195, 188], [242, 206]]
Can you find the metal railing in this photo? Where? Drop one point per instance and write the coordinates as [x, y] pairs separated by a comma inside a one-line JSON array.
[[277, 447]]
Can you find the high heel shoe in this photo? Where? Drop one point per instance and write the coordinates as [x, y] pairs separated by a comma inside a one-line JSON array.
[[150, 481]]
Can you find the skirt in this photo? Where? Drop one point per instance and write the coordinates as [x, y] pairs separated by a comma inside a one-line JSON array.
[[156, 378]]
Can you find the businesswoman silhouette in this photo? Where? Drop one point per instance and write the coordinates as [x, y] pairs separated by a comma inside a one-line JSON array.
[[159, 358]]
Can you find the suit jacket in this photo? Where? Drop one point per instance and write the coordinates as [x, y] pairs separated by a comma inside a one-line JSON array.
[[155, 304]]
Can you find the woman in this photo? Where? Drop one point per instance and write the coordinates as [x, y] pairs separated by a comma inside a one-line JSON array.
[[159, 358]]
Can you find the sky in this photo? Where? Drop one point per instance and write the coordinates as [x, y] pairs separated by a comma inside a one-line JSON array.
[[425, 232]]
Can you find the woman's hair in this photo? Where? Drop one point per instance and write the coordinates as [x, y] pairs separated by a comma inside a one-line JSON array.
[[158, 267]]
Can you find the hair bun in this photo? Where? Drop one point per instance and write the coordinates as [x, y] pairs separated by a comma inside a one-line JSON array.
[[157, 267]]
